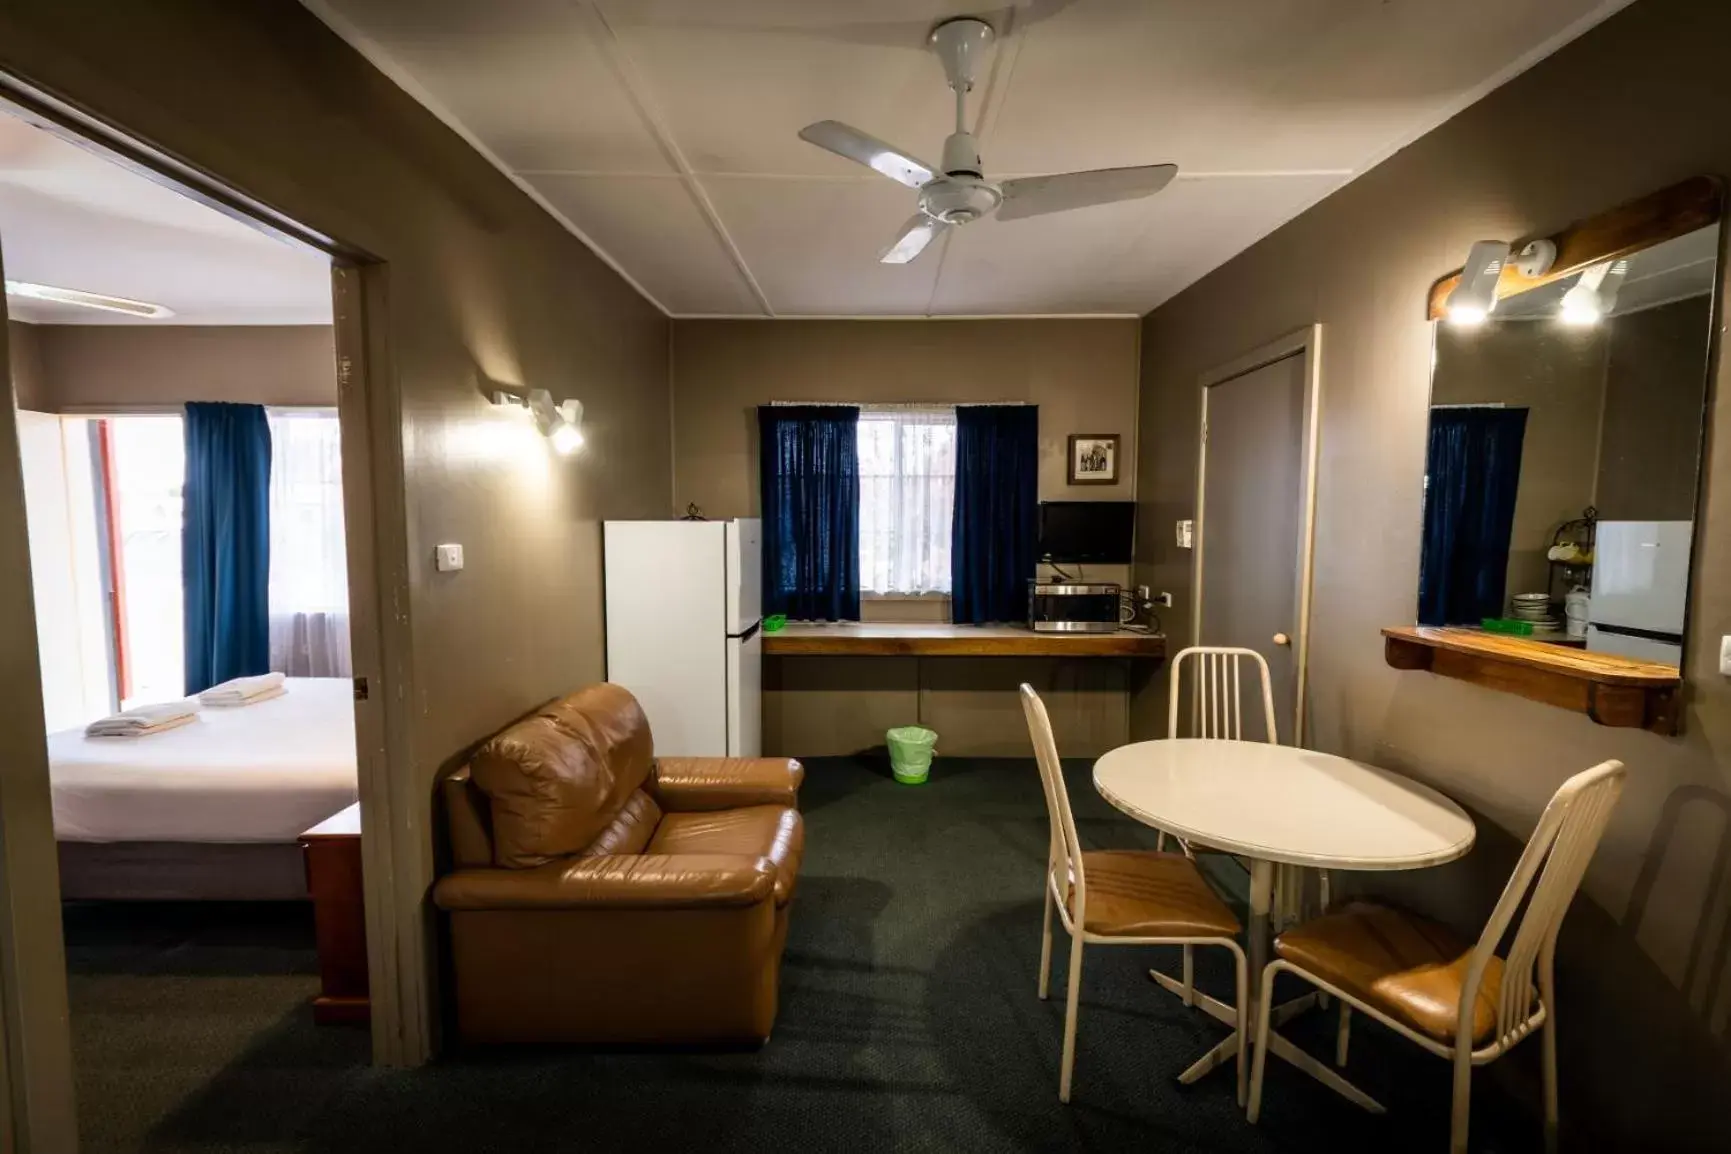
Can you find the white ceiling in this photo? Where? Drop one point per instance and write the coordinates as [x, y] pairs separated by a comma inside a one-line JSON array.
[[73, 219], [664, 131]]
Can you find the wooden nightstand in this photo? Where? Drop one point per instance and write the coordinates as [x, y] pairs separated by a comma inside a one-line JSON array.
[[333, 857]]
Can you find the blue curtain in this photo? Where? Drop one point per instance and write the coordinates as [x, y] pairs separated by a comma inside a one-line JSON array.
[[1471, 478], [808, 456], [225, 543], [992, 541]]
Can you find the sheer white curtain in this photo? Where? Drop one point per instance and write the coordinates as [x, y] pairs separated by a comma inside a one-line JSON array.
[[309, 577], [907, 464]]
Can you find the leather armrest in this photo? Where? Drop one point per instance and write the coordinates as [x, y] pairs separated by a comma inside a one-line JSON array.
[[626, 881], [696, 784]]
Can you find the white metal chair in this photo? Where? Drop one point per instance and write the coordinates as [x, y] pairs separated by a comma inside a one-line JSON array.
[[1217, 711], [1460, 1002], [1122, 898], [1217, 702]]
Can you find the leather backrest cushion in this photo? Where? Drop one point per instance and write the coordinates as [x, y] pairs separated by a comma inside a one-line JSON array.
[[556, 779], [630, 830]]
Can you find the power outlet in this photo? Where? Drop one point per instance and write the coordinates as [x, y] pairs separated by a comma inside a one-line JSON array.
[[1186, 534], [1164, 600], [1725, 655]]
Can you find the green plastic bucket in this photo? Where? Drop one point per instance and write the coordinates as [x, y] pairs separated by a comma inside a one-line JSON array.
[[911, 752]]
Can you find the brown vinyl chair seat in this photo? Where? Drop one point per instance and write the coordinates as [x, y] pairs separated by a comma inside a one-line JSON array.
[[770, 832], [1408, 967], [1144, 894]]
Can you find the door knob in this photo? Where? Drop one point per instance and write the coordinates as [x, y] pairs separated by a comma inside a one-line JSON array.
[[1282, 639]]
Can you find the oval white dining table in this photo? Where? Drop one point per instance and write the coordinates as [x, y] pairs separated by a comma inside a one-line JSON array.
[[1281, 805]]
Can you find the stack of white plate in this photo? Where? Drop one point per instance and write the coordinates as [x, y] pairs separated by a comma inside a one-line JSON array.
[[1535, 608]]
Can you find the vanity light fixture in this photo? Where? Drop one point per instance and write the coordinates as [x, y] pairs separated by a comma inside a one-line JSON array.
[[562, 423], [1594, 294], [1476, 295]]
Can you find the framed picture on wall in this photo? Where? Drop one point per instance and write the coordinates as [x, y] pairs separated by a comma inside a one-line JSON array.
[[1093, 458]]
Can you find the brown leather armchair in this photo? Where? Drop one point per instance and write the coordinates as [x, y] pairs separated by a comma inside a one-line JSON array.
[[603, 895]]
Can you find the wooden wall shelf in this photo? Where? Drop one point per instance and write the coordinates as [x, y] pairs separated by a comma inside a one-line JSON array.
[[1616, 691], [884, 639]]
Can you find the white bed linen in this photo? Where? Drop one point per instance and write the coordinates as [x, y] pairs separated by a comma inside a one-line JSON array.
[[258, 773]]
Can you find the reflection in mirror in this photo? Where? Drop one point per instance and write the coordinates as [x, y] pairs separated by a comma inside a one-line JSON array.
[[1565, 437]]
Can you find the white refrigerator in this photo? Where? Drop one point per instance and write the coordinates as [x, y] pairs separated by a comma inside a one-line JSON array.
[[1640, 589], [683, 610]]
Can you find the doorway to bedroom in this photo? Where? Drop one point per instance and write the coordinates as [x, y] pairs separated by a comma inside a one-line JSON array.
[[175, 383]]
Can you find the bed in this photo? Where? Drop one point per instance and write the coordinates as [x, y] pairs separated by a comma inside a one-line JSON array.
[[212, 810]]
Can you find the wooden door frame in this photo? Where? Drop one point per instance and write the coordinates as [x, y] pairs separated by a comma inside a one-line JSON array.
[[36, 1108], [1305, 342]]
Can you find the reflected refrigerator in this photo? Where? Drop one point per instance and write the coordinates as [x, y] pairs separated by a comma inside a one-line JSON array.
[[683, 606], [1640, 589]]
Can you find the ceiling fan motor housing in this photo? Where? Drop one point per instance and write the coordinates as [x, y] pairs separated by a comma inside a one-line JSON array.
[[958, 199]]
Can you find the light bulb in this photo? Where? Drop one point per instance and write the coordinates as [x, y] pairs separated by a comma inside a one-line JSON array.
[[1466, 316], [567, 439], [1580, 313]]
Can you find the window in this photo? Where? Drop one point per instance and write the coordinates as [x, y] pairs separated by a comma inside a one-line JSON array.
[[309, 575], [144, 465], [907, 467]]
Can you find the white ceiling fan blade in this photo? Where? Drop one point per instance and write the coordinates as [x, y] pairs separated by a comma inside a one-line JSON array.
[[849, 142], [1036, 195], [916, 234]]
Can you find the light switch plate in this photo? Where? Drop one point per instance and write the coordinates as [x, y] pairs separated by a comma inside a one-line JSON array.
[[1186, 534], [1725, 655], [448, 558]]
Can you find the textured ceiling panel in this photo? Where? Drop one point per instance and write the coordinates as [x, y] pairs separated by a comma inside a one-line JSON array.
[[1283, 99]]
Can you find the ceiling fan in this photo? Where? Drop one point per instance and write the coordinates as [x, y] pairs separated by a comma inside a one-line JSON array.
[[959, 192]]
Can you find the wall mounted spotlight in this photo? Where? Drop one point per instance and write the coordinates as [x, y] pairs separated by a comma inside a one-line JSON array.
[[1475, 296], [1595, 294], [562, 423]]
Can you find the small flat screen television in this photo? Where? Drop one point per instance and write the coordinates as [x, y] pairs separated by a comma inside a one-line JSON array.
[[1087, 532]]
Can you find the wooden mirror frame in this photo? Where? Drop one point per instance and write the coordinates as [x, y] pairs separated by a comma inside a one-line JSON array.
[[1611, 690], [1664, 215]]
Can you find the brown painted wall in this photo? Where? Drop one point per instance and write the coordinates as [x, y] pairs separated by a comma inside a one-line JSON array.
[[1082, 374], [24, 355], [480, 283], [91, 367], [1644, 992]]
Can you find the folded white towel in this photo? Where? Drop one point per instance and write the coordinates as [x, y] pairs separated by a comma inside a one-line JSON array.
[[143, 721], [244, 690]]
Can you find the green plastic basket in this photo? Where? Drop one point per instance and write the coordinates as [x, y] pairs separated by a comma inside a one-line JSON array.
[[911, 752]]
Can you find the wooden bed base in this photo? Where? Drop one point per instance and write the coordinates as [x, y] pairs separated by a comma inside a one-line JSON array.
[[181, 871]]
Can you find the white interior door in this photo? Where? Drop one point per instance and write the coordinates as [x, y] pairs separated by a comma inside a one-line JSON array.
[[1253, 524]]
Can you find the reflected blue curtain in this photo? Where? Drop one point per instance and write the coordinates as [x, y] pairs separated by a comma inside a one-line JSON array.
[[1471, 477], [225, 543], [992, 541], [808, 458]]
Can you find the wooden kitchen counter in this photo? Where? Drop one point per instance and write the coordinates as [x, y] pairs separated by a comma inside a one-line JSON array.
[[889, 639]]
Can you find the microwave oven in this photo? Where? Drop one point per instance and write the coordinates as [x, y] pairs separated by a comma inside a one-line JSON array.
[[1073, 608]]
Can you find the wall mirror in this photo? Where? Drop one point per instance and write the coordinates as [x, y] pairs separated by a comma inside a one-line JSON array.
[[1565, 445]]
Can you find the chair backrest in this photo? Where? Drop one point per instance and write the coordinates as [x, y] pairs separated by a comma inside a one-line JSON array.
[[1216, 698], [1546, 878], [1066, 847]]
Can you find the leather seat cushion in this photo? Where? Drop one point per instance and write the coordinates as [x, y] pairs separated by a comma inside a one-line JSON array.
[[1410, 968], [1142, 894], [768, 831]]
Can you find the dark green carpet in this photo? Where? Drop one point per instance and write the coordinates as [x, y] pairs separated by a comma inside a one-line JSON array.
[[909, 1021]]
